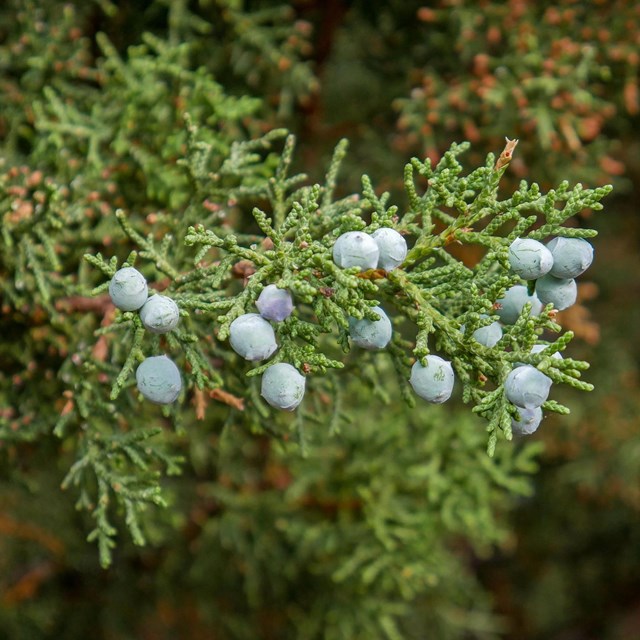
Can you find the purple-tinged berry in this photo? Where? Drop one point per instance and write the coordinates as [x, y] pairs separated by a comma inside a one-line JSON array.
[[274, 304]]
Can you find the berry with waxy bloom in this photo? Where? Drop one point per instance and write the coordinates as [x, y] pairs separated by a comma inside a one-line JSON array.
[[158, 379], [128, 289], [562, 293], [160, 314], [513, 302], [392, 247], [527, 387], [283, 386], [571, 257], [356, 249], [528, 421], [252, 337], [371, 334], [433, 382], [529, 258], [274, 304]]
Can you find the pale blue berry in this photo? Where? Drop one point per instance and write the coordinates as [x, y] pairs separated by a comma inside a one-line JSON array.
[[159, 380], [356, 249], [488, 336], [392, 247], [274, 304], [433, 382], [160, 314], [513, 302], [562, 293], [283, 386], [529, 258], [252, 337], [528, 422], [371, 334], [128, 289], [537, 348], [571, 257], [527, 387]]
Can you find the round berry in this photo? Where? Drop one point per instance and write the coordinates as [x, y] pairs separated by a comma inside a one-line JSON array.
[[571, 257], [356, 249], [160, 314], [392, 247], [274, 304], [158, 379], [283, 386], [433, 382], [371, 334], [128, 289], [559, 292], [252, 337], [528, 422], [537, 348], [513, 302], [527, 387], [529, 258], [488, 336]]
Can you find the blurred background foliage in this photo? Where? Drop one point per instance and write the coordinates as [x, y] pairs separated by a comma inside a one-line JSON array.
[[397, 77]]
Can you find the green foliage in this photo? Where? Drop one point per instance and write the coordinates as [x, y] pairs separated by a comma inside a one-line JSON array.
[[163, 135]]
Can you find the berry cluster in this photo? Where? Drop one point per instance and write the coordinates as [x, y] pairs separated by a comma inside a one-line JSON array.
[[157, 377], [387, 249], [554, 268], [252, 337]]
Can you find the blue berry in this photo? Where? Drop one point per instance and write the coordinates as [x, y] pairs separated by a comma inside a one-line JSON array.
[[392, 247], [252, 337], [128, 289], [537, 348], [528, 422], [371, 334], [274, 304], [488, 336], [527, 387], [158, 379], [356, 249], [513, 302], [433, 382], [283, 386], [559, 292], [160, 314], [529, 258], [571, 257]]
